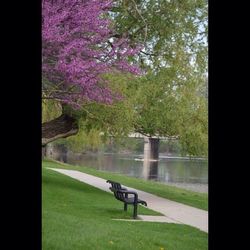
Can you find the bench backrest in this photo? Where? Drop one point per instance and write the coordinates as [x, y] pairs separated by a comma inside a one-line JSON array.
[[118, 194], [115, 187], [114, 184]]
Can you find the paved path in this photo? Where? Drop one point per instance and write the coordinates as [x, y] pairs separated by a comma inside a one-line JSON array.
[[174, 212]]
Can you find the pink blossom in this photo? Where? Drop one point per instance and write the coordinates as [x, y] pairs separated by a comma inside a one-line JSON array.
[[76, 51]]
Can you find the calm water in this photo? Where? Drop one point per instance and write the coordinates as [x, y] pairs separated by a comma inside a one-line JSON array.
[[170, 171]]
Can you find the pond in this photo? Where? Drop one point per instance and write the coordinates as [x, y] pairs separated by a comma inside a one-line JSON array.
[[177, 171]]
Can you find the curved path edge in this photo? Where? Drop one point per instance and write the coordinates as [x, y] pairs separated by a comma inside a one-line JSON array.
[[174, 212]]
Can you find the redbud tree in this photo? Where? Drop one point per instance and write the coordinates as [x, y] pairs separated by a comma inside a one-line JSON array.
[[79, 47]]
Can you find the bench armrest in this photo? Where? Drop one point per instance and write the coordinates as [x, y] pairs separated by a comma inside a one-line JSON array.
[[126, 192]]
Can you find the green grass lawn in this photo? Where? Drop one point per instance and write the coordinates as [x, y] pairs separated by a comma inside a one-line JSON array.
[[195, 199], [78, 216]]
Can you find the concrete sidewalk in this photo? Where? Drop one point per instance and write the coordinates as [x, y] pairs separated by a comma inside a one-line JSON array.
[[174, 212]]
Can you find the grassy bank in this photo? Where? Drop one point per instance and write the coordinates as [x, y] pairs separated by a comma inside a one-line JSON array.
[[78, 216], [195, 199]]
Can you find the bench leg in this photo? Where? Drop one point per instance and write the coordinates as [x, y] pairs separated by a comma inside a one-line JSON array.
[[135, 211], [125, 206]]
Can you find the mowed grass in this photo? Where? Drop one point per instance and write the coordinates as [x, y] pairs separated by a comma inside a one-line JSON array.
[[78, 216], [195, 199]]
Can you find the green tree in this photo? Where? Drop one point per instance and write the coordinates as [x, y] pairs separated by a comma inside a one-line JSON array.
[[171, 98], [164, 108]]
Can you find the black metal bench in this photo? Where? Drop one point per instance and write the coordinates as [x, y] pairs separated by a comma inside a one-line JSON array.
[[122, 194]]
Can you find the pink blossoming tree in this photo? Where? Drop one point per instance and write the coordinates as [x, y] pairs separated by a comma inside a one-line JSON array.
[[79, 46]]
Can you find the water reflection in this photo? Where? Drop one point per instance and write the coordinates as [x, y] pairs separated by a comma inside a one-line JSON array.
[[165, 170], [150, 170]]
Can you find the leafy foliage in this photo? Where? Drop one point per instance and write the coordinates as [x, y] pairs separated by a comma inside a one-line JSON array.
[[167, 29], [78, 46], [50, 110], [169, 100]]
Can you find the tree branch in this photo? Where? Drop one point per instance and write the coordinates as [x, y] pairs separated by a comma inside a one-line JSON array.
[[61, 127], [146, 26]]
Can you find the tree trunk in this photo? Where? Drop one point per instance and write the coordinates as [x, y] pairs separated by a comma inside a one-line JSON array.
[[61, 127]]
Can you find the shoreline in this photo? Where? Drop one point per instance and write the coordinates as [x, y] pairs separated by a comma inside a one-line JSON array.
[[196, 187]]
